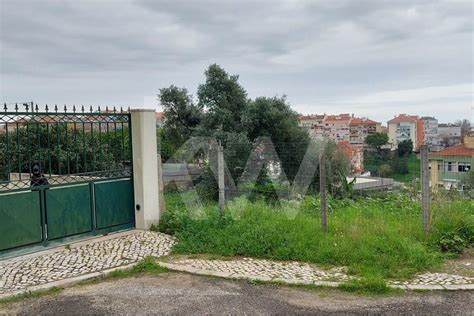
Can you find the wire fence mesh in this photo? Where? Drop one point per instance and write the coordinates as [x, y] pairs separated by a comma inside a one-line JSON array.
[[282, 173]]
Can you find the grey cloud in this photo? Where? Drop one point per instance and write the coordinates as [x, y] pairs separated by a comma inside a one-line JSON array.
[[314, 51]]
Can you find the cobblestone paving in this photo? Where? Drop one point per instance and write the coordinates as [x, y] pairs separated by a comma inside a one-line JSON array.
[[19, 274], [437, 279], [294, 272]]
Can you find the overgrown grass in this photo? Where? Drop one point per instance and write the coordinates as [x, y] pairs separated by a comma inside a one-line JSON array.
[[147, 266], [376, 238]]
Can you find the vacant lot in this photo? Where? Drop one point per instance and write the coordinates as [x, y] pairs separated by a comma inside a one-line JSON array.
[[376, 238]]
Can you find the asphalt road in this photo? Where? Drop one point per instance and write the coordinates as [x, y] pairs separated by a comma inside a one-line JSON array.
[[183, 294]]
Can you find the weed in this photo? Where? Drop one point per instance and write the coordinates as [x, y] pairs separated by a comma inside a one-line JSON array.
[[31, 294], [154, 228], [368, 284]]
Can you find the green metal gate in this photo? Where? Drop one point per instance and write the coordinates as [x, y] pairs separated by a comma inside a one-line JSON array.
[[63, 174]]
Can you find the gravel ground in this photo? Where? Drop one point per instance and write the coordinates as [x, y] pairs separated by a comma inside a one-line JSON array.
[[184, 294]]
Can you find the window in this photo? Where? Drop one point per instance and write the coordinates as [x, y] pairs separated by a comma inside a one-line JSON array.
[[450, 167], [464, 167]]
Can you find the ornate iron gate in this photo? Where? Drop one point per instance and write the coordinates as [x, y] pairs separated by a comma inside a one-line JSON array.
[[63, 174]]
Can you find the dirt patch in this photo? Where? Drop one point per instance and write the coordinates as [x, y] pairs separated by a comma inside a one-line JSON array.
[[464, 265]]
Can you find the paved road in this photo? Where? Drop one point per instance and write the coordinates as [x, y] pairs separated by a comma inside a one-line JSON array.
[[183, 294]]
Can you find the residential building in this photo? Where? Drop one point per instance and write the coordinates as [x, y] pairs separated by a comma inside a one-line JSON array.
[[449, 134], [314, 124], [431, 136], [360, 128], [405, 127], [310, 121], [338, 126], [450, 166]]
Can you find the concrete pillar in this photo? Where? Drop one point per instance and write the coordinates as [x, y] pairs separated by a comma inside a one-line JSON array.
[[145, 168]]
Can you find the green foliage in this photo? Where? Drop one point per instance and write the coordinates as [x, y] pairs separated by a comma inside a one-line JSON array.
[[274, 118], [469, 180], [387, 164], [30, 295], [224, 99], [375, 237], [405, 148], [146, 266], [165, 146], [154, 228], [453, 231], [238, 123], [376, 140], [385, 170], [63, 150], [400, 164], [182, 115], [373, 284], [373, 160]]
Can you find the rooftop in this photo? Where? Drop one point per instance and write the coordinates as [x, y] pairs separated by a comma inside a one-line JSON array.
[[312, 117], [459, 150], [339, 118], [404, 118], [363, 121]]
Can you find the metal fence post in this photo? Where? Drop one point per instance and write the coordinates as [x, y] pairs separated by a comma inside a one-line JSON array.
[[220, 175], [425, 187], [322, 191]]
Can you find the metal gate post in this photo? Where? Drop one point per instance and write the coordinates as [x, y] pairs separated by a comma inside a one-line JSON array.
[[145, 168]]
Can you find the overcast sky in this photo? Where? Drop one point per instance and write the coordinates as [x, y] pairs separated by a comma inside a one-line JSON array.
[[372, 58]]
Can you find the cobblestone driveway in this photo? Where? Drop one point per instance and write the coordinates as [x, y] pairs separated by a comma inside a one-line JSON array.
[[20, 273]]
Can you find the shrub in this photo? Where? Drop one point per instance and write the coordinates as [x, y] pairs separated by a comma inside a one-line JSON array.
[[453, 226]]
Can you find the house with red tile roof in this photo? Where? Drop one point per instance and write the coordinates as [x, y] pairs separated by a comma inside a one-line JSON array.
[[450, 166]]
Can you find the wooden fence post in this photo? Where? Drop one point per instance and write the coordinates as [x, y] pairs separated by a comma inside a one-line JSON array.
[[322, 190], [220, 176], [425, 188]]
